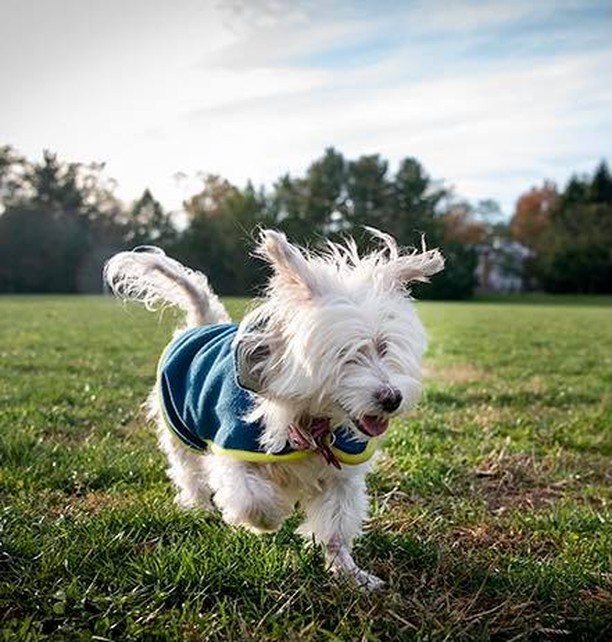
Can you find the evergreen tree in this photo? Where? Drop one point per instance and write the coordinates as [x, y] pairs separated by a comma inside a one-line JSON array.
[[601, 186], [324, 189], [147, 222], [58, 223], [368, 191], [571, 234], [219, 238]]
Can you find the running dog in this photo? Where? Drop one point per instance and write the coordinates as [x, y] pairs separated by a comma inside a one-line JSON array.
[[290, 405]]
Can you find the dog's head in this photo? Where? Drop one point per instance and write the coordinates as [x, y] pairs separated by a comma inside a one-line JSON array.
[[337, 334]]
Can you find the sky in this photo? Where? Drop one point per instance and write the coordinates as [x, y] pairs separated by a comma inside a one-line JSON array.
[[491, 97]]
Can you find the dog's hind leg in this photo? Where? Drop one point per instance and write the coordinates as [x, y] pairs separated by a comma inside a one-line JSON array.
[[334, 518], [187, 470]]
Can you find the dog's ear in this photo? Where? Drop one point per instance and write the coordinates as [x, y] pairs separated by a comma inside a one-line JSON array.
[[253, 351], [407, 268], [251, 360], [417, 267], [291, 269]]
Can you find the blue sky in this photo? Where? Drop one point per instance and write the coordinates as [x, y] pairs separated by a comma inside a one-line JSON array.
[[491, 97]]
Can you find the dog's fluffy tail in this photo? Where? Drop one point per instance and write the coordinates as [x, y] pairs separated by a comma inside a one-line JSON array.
[[147, 275]]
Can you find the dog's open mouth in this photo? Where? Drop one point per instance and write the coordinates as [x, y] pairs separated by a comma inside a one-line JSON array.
[[372, 425]]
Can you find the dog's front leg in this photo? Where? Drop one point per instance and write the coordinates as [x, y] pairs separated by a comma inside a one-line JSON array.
[[334, 518], [341, 562], [246, 496]]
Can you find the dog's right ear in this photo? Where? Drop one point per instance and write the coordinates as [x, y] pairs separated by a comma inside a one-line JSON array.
[[403, 269], [291, 270], [417, 267]]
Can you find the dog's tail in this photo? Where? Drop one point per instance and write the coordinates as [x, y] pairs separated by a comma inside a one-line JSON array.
[[147, 275]]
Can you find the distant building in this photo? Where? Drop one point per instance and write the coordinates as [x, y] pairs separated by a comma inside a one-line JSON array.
[[501, 265]]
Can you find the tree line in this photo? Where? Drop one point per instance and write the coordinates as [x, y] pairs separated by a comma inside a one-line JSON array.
[[59, 221], [569, 233]]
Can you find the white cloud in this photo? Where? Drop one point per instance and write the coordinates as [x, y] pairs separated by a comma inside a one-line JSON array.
[[462, 16], [260, 88], [511, 122]]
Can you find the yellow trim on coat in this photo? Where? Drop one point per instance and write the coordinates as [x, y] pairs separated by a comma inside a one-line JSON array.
[[256, 457]]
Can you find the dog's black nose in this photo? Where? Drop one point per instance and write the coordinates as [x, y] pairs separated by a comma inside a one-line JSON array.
[[389, 399]]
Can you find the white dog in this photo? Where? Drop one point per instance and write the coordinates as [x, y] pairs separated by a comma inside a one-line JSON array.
[[290, 405]]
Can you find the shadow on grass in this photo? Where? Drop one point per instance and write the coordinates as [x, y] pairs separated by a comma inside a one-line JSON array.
[[447, 592], [158, 573]]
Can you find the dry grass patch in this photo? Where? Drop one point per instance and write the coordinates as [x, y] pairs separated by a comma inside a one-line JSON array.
[[498, 538], [454, 372], [520, 480], [392, 515], [60, 505]]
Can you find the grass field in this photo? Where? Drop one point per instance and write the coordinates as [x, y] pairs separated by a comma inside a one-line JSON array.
[[491, 512]]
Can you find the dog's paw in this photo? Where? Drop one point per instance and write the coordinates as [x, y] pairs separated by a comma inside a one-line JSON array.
[[190, 500], [367, 581], [364, 580], [256, 519]]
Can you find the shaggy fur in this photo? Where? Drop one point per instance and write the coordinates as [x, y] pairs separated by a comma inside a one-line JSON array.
[[336, 336]]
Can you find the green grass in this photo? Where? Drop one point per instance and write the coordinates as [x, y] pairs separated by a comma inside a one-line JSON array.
[[491, 510]]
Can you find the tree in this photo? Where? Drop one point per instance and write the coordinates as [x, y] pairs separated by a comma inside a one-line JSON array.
[[601, 186], [13, 168], [368, 191], [324, 189], [415, 203], [58, 223], [459, 225], [43, 236], [61, 220], [578, 257], [218, 240], [570, 233], [530, 224], [147, 222], [314, 205]]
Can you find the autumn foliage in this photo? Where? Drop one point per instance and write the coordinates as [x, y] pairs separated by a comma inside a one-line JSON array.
[[532, 218], [569, 233]]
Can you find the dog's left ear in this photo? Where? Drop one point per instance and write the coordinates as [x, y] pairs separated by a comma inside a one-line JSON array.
[[251, 361], [291, 270], [254, 351], [416, 267]]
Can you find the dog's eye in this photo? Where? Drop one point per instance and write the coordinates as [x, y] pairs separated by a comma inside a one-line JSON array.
[[382, 347], [355, 357]]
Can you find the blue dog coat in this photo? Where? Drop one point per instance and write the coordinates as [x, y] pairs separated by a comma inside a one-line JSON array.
[[205, 406]]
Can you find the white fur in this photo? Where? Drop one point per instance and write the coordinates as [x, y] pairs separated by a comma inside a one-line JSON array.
[[338, 328]]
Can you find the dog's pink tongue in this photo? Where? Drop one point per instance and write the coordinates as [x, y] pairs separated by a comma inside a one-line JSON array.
[[373, 425]]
